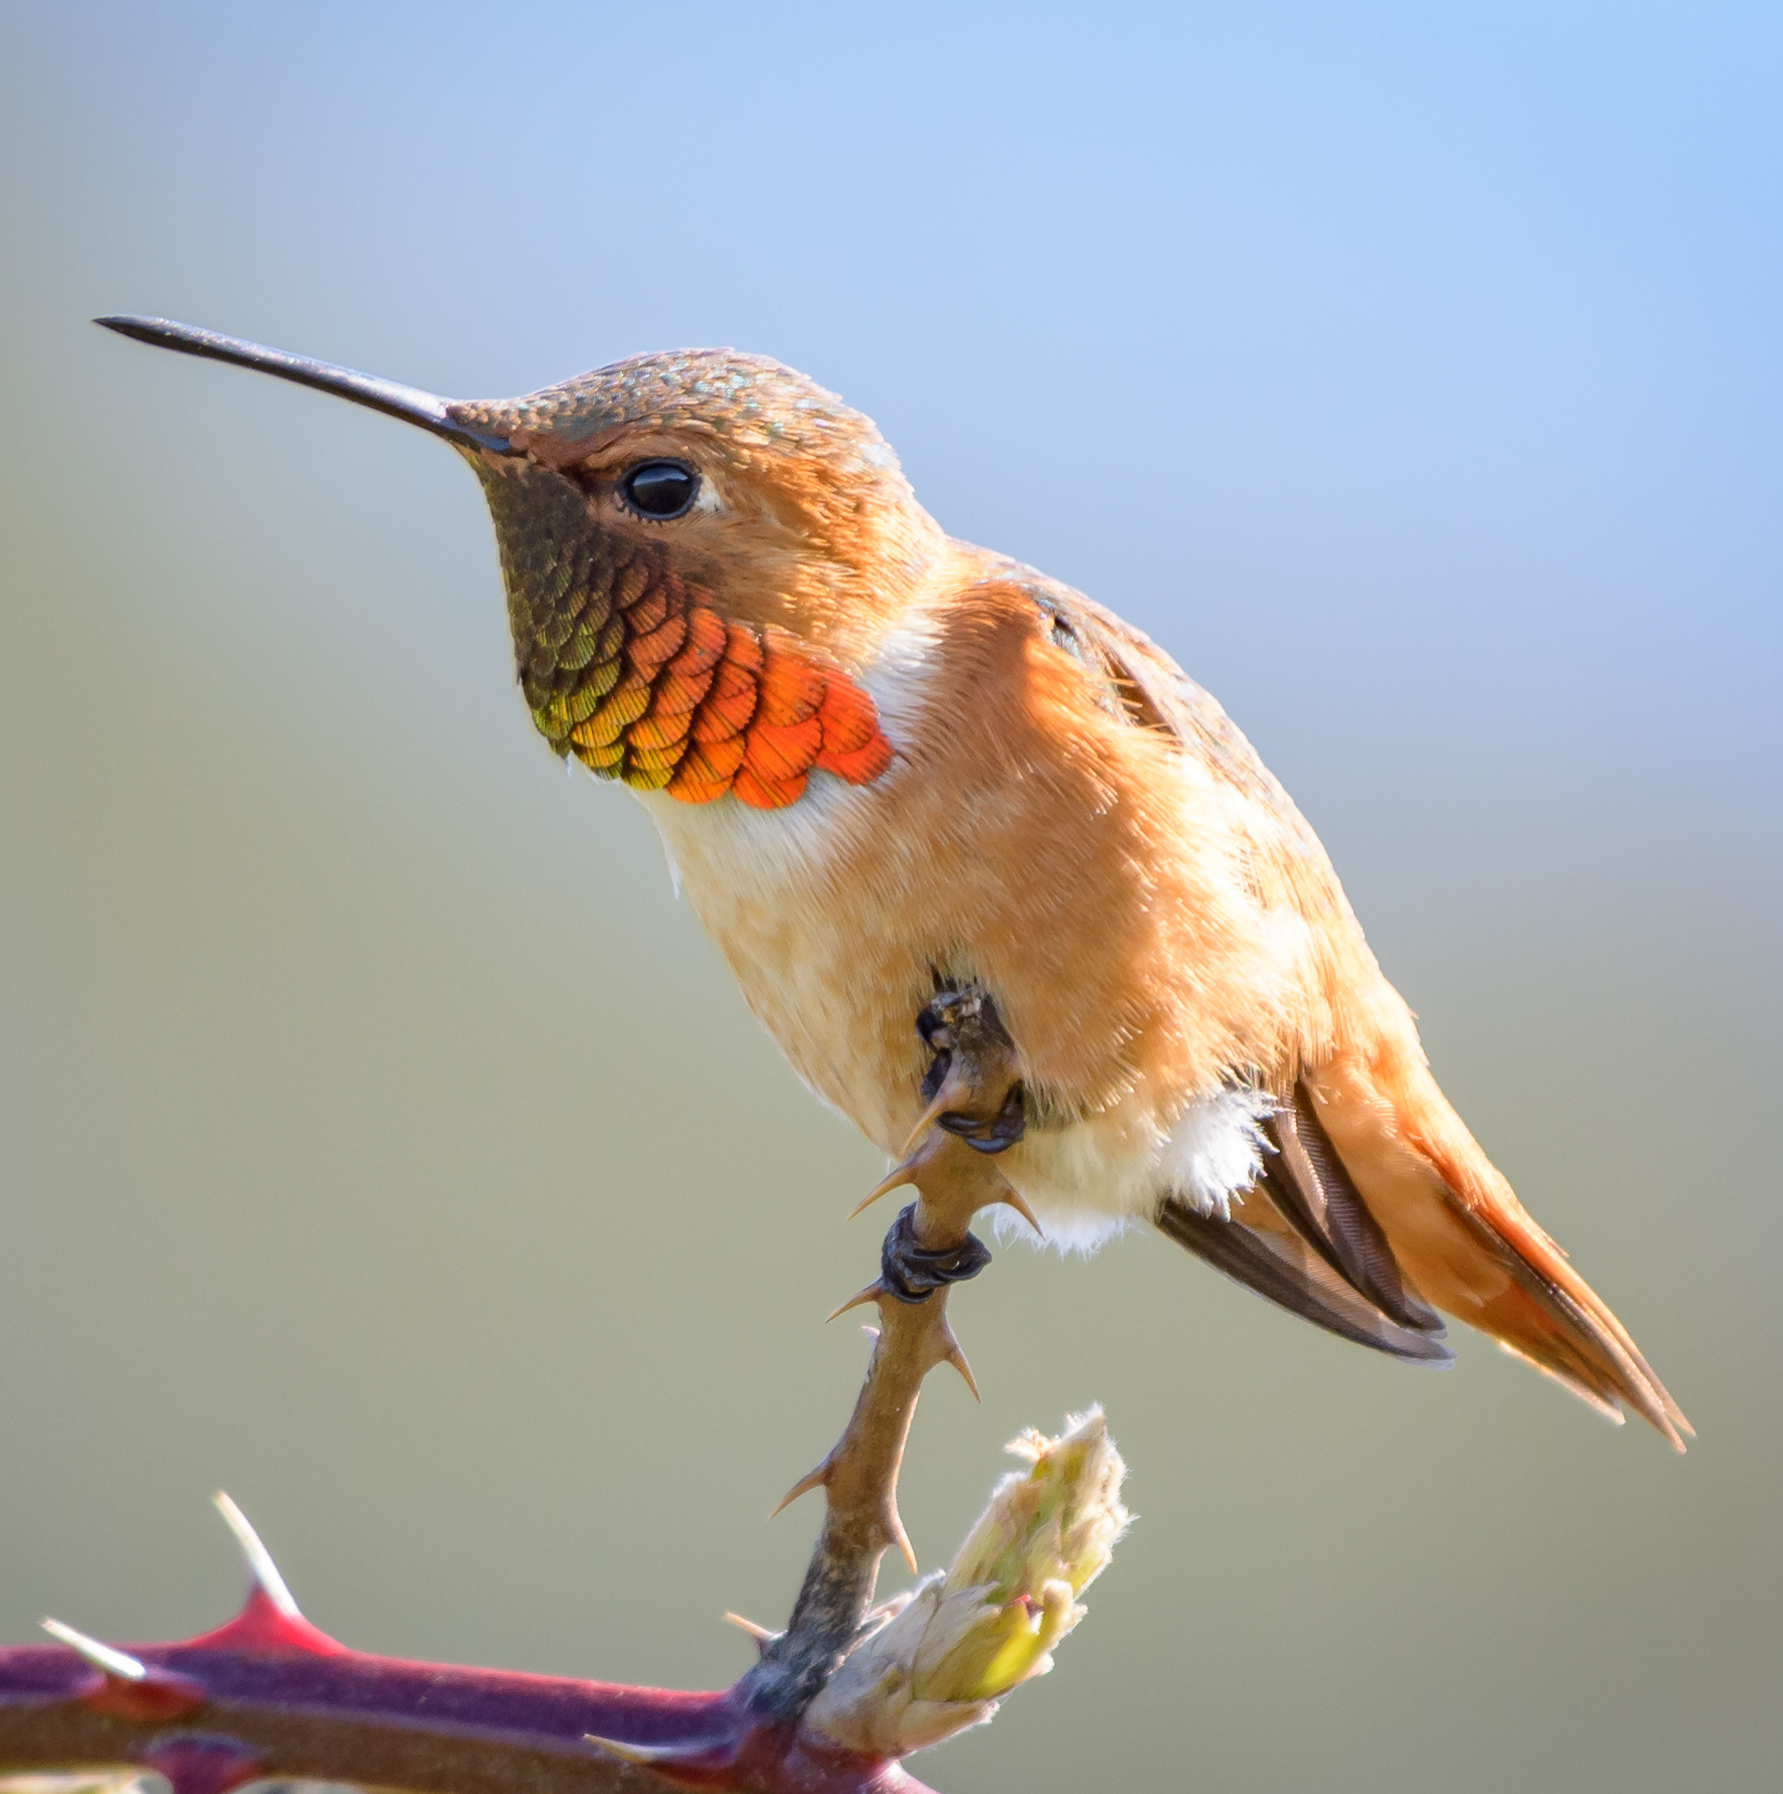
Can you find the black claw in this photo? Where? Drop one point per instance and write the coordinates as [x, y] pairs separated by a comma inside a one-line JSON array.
[[966, 1020], [911, 1273], [997, 1134]]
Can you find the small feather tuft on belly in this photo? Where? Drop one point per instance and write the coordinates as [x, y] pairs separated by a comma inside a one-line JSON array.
[[1215, 1150]]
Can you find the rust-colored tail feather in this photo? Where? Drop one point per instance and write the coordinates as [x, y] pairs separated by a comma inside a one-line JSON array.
[[1462, 1238], [1554, 1319]]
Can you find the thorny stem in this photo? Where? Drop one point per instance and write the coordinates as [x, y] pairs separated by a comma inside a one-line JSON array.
[[861, 1523], [293, 1741], [860, 1475], [267, 1694]]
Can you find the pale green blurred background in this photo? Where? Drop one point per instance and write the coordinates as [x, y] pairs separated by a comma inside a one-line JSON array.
[[380, 1141]]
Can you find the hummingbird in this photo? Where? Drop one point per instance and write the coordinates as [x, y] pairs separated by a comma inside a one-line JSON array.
[[885, 764]]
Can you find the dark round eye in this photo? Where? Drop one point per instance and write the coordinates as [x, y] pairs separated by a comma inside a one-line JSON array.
[[660, 488]]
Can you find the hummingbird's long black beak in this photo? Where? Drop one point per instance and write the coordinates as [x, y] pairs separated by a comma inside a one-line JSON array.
[[406, 402]]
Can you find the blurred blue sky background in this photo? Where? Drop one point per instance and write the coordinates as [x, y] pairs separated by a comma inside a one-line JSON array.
[[379, 1140]]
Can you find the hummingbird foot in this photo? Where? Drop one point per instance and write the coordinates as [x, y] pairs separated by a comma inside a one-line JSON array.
[[974, 1096], [972, 1087], [911, 1272]]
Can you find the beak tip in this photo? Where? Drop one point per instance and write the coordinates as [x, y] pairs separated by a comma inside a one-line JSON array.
[[407, 403]]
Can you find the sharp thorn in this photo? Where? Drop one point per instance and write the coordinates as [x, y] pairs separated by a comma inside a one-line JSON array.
[[957, 1359], [891, 1182], [102, 1656], [641, 1754], [871, 1293], [1013, 1198], [900, 1537], [930, 1116], [760, 1634], [951, 1087], [260, 1565], [812, 1479]]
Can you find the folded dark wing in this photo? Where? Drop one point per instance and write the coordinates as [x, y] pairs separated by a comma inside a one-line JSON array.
[[1307, 1182], [1256, 1249]]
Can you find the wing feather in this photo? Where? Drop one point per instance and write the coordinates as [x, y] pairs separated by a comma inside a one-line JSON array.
[[1307, 1181], [1280, 1267]]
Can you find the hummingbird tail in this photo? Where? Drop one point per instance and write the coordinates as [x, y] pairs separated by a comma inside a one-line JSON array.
[[1463, 1239]]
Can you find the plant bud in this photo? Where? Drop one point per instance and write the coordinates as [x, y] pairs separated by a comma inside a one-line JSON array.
[[963, 1640]]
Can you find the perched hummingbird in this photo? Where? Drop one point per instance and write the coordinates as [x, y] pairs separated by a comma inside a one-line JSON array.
[[885, 763]]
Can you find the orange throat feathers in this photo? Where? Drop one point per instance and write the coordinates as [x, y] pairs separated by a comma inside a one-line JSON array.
[[634, 671]]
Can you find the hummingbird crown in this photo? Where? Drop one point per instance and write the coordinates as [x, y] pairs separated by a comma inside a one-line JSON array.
[[751, 402]]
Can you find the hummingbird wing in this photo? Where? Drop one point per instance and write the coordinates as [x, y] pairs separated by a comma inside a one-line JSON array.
[[1307, 1182], [1255, 1249], [1374, 1172]]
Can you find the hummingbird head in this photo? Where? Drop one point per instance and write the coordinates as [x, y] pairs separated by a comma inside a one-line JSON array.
[[700, 548], [776, 498]]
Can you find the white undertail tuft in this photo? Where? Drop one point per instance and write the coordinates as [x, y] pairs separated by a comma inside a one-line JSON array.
[[1215, 1150]]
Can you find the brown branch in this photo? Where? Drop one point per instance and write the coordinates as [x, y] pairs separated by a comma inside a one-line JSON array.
[[859, 1479], [976, 1078]]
